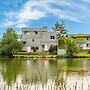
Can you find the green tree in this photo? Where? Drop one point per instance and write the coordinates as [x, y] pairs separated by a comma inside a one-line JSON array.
[[61, 31], [71, 47], [9, 43]]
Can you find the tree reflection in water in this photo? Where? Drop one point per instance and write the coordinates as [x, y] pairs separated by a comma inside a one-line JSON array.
[[44, 74], [10, 69]]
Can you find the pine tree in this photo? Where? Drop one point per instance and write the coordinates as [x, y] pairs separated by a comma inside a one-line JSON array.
[[61, 31]]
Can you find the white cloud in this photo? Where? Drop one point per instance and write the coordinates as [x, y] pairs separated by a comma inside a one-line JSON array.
[[31, 15], [37, 9], [64, 15], [34, 9], [21, 25]]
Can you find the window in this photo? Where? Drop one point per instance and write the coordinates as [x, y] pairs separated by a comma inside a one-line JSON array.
[[88, 38], [87, 45], [35, 32], [27, 32], [43, 46], [33, 40], [36, 48], [32, 48], [24, 42], [52, 37]]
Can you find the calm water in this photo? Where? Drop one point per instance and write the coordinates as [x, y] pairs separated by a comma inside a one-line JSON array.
[[51, 74]]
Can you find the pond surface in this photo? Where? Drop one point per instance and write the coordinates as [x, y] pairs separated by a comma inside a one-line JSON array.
[[62, 74]]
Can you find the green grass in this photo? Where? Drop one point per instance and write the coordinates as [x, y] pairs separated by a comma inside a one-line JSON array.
[[82, 54], [31, 53], [25, 54], [34, 55]]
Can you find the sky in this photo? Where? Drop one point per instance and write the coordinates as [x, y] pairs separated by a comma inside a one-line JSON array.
[[19, 14]]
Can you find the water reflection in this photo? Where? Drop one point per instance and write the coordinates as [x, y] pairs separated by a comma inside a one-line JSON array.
[[10, 70], [44, 74]]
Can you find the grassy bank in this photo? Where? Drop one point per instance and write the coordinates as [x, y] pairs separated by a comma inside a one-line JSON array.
[[34, 55], [48, 55], [82, 55]]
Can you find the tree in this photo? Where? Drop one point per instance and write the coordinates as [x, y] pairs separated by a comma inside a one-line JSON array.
[[9, 43], [61, 31], [71, 47]]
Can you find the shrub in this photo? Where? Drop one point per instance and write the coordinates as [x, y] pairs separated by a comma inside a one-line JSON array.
[[71, 47], [53, 49]]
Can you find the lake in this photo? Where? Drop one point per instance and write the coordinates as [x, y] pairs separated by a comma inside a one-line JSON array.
[[62, 74]]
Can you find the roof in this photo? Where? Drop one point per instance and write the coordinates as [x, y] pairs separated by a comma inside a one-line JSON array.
[[80, 35], [44, 29]]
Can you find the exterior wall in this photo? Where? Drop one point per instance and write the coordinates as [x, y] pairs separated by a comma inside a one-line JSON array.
[[61, 51], [38, 38], [86, 44], [46, 39]]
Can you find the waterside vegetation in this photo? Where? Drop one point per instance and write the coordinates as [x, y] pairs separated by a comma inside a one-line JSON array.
[[9, 43]]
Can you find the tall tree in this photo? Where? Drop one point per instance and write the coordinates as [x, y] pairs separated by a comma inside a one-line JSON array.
[[9, 43], [61, 31]]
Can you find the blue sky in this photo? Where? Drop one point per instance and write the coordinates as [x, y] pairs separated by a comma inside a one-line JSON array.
[[37, 13]]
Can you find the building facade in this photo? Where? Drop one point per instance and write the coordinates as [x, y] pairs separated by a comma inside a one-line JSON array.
[[38, 39], [83, 40]]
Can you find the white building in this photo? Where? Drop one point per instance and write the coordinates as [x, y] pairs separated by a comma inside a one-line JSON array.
[[38, 39], [83, 40]]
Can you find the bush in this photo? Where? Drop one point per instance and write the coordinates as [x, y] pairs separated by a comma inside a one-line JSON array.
[[53, 49], [71, 47]]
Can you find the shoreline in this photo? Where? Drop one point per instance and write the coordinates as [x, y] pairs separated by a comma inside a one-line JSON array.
[[47, 57]]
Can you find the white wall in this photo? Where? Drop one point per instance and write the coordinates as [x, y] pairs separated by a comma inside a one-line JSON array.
[[61, 51]]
